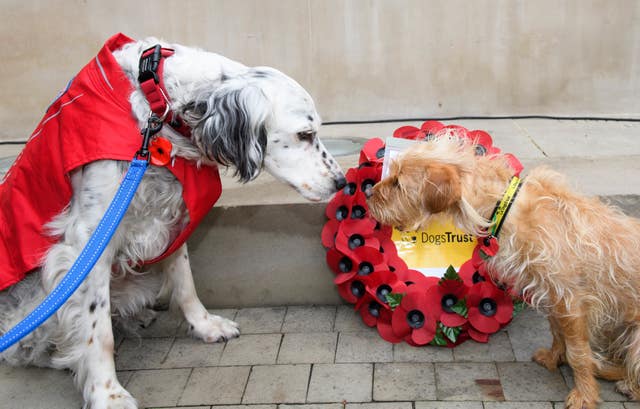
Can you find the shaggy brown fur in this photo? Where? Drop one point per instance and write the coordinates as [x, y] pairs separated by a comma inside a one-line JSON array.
[[573, 258]]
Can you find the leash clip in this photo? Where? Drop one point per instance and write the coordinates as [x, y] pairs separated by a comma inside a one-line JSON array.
[[148, 66], [154, 125]]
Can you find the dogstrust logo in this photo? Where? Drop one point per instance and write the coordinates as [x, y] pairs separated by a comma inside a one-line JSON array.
[[432, 250]]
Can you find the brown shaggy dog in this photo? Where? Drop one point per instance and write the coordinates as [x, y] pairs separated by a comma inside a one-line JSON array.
[[573, 258]]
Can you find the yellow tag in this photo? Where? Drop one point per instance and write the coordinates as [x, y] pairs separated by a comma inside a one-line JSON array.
[[432, 250]]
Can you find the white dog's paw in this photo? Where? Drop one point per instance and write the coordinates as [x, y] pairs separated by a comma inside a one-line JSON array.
[[114, 398], [213, 328]]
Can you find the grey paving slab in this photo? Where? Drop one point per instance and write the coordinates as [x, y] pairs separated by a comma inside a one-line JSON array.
[[310, 348], [375, 405], [340, 382], [228, 313], [528, 331], [191, 353], [506, 135], [363, 347], [260, 320], [607, 389], [147, 353], [468, 381], [244, 407], [518, 405], [498, 349], [215, 386], [631, 405], [195, 407], [348, 320], [448, 405], [124, 376], [313, 406], [165, 324], [404, 381], [160, 387], [309, 319], [37, 388], [583, 138], [528, 381], [277, 384], [404, 352], [256, 349]]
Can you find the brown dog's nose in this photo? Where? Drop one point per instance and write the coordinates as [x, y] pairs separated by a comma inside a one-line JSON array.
[[340, 182]]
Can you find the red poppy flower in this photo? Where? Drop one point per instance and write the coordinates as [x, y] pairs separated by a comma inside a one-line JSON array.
[[352, 290], [471, 273], [354, 233], [483, 143], [488, 246], [369, 308], [363, 262], [412, 320], [372, 151], [409, 132], [477, 335], [514, 163], [431, 128], [160, 151], [414, 277], [489, 308], [329, 232], [385, 327], [382, 283], [444, 296]]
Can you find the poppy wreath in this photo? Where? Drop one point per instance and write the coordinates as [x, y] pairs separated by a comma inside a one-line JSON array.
[[402, 303]]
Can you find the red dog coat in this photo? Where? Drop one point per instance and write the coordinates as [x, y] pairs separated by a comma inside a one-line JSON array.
[[90, 121]]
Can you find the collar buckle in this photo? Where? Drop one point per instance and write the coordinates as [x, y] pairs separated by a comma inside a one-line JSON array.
[[148, 65]]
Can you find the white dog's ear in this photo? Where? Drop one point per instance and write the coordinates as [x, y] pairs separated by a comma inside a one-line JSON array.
[[229, 125]]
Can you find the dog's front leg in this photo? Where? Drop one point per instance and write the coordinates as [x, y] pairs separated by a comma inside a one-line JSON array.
[[574, 329], [86, 343], [551, 358], [209, 327]]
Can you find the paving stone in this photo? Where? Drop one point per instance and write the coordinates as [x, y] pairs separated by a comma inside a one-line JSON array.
[[146, 353], [124, 376], [191, 353], [338, 382], [242, 407], [37, 388], [260, 320], [611, 405], [277, 384], [228, 313], [518, 405], [607, 389], [201, 407], [257, 349], [531, 382], [387, 405], [348, 320], [605, 405], [363, 347], [498, 349], [631, 405], [313, 406], [309, 348], [404, 381], [211, 386], [160, 387], [448, 405], [404, 352], [467, 381], [165, 324], [309, 319], [528, 331]]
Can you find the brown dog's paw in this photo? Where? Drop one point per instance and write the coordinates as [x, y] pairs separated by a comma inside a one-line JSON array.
[[577, 400], [624, 388], [546, 358]]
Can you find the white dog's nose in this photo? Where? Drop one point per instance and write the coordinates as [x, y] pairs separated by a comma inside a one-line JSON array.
[[340, 182]]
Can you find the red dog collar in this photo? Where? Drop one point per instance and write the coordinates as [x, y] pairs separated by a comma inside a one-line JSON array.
[[150, 78]]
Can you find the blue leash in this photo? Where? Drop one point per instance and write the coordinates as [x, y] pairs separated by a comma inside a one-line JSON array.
[[87, 259]]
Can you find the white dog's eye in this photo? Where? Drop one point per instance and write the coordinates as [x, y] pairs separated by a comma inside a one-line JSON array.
[[306, 136]]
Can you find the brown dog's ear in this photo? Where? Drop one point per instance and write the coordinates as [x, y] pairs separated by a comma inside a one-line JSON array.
[[441, 187]]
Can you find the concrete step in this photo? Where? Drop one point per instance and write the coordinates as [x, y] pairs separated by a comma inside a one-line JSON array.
[[260, 245]]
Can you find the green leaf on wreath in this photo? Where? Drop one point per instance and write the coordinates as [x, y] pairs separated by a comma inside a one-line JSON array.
[[450, 274], [451, 332], [438, 339], [394, 299], [518, 306], [484, 256], [460, 308]]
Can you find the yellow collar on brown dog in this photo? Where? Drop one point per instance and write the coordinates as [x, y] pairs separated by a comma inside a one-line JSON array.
[[501, 210]]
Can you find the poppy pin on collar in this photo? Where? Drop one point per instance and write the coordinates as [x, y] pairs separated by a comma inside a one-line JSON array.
[[160, 150]]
